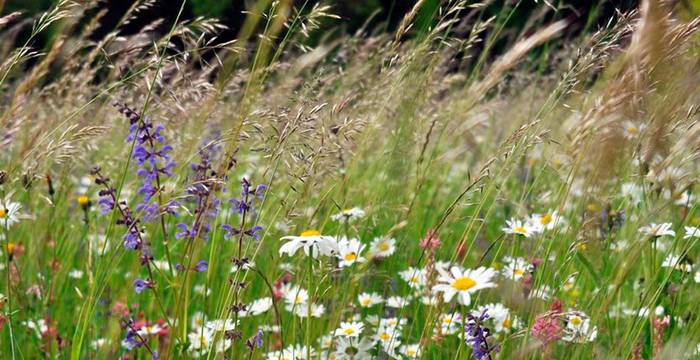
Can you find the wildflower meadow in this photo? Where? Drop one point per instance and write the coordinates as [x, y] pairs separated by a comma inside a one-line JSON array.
[[465, 182]]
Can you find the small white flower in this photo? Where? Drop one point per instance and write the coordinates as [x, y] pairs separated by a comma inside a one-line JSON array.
[[633, 191], [500, 316], [517, 227], [632, 130], [414, 277], [349, 329], [9, 212], [221, 325], [295, 297], [691, 232], [75, 274], [382, 247], [257, 307], [369, 299], [463, 282], [201, 289], [515, 268], [578, 328], [312, 242], [679, 198], [315, 310], [151, 329], [548, 221], [349, 215], [657, 230], [349, 251], [398, 302], [98, 343], [676, 262], [411, 351]]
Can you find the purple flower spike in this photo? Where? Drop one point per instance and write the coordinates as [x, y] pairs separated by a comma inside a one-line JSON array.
[[201, 266], [140, 285]]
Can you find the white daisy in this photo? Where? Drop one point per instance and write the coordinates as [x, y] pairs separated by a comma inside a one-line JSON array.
[[349, 251], [657, 230], [257, 307], [220, 325], [9, 212], [398, 302], [314, 310], [450, 323], [517, 227], [632, 130], [633, 191], [411, 351], [515, 268], [352, 348], [691, 232], [676, 262], [463, 282], [295, 297], [312, 242], [349, 215], [578, 328], [500, 315], [548, 221], [382, 246], [349, 329], [679, 198], [414, 277], [369, 299]]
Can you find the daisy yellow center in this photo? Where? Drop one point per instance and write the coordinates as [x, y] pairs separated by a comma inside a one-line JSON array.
[[365, 302], [520, 229], [3, 213], [411, 352], [11, 248], [298, 300], [414, 280], [632, 129], [576, 321], [203, 340], [506, 323], [464, 283], [83, 199], [383, 246], [310, 233], [546, 219], [518, 272], [349, 331], [350, 256], [384, 336]]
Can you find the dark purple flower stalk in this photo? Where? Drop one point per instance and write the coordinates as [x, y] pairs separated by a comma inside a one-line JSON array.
[[108, 201], [132, 339], [244, 206], [255, 341], [477, 336], [152, 156]]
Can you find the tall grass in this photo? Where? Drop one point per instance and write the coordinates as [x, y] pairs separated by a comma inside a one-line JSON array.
[[440, 135]]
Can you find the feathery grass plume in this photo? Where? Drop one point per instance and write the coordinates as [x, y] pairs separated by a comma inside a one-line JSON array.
[[636, 93]]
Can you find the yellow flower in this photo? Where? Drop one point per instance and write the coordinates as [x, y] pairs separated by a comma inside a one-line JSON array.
[[83, 200]]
